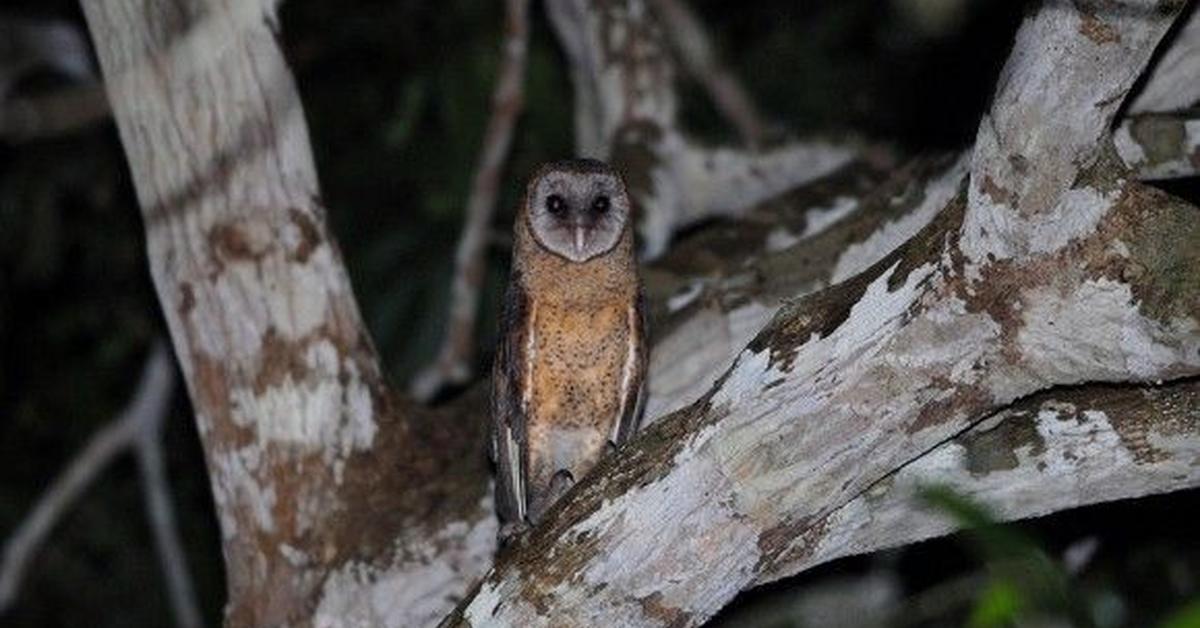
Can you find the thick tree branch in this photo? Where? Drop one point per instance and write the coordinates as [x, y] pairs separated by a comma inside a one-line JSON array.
[[713, 292], [1051, 270], [626, 110], [1092, 444], [325, 485], [1071, 68], [1171, 84], [453, 363]]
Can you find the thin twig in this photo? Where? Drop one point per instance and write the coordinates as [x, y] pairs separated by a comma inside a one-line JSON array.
[[453, 363], [691, 42], [21, 546], [137, 428], [161, 515]]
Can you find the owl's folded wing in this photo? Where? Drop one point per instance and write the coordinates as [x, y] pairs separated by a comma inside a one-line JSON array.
[[633, 374], [510, 373]]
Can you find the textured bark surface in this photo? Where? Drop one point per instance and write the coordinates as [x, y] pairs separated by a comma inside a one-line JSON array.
[[1047, 267], [325, 486], [886, 329]]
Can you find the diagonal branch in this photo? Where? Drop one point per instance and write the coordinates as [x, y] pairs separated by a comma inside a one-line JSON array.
[[147, 445], [453, 363], [694, 48], [1072, 67], [626, 111], [137, 428]]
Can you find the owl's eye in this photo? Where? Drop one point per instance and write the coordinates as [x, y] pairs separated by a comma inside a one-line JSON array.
[[556, 205], [601, 205]]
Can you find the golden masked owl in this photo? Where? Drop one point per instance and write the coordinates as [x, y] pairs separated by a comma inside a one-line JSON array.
[[568, 378]]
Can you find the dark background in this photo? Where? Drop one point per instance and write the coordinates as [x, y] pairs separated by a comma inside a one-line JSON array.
[[396, 95]]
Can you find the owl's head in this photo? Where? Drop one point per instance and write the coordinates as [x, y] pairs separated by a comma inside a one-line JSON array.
[[577, 208]]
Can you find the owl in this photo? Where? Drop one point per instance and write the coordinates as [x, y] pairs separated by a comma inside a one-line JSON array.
[[569, 373]]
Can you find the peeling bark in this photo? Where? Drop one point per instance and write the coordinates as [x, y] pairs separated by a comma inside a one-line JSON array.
[[840, 391], [713, 292]]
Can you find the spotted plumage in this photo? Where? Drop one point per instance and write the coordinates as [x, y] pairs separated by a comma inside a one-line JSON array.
[[568, 378]]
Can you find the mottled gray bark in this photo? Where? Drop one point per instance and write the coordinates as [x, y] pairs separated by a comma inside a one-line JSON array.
[[326, 486], [1044, 265]]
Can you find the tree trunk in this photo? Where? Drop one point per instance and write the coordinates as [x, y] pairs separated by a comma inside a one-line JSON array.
[[325, 485]]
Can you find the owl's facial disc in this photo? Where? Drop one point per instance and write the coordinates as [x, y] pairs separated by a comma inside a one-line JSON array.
[[578, 214]]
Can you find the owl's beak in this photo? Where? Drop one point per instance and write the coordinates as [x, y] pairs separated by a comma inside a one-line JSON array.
[[579, 239]]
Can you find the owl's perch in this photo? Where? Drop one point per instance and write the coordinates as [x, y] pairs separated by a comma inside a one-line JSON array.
[[1048, 268], [782, 464], [342, 506]]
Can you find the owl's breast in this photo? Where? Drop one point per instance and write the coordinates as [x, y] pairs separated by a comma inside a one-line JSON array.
[[578, 358]]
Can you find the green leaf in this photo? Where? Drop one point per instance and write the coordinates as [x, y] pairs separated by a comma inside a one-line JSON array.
[[1186, 617], [1000, 604]]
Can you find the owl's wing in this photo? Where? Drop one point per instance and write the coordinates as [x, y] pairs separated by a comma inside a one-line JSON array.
[[633, 374], [509, 382]]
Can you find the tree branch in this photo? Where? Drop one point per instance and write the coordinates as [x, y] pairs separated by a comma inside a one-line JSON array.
[[325, 484], [157, 492], [453, 363], [139, 428], [1171, 84], [626, 111], [692, 44], [849, 386]]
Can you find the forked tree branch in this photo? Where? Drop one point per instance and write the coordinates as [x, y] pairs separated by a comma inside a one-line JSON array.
[[138, 430], [626, 111], [325, 484], [1048, 269]]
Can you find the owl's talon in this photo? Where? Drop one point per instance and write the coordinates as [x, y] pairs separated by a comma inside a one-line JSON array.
[[511, 531]]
